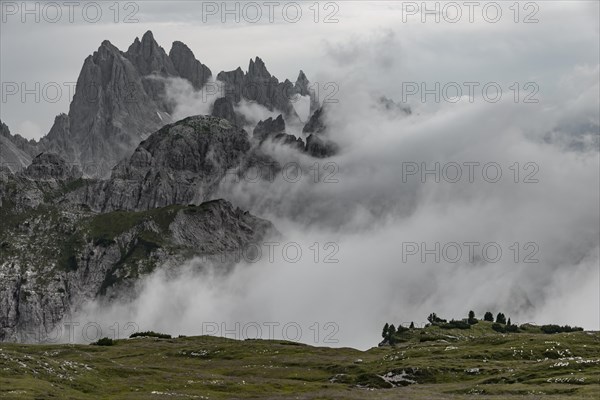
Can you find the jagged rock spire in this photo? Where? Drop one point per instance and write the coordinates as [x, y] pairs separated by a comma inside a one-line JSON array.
[[187, 66], [148, 57]]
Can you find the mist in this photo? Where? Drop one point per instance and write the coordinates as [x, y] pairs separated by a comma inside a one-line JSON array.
[[365, 207]]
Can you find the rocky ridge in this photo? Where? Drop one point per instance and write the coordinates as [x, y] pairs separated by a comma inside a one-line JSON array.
[[56, 256], [120, 98], [70, 236]]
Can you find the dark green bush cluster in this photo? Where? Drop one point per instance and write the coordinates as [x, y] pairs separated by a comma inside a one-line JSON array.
[[390, 331], [472, 320], [505, 328], [559, 329], [454, 324], [434, 319], [150, 334], [392, 334], [104, 342]]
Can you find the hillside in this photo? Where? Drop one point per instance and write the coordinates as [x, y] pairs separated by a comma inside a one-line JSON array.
[[449, 364]]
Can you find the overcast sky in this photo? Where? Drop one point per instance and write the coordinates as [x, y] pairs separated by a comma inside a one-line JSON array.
[[53, 52]]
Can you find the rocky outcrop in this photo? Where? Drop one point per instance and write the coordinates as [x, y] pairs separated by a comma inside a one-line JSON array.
[[11, 157], [110, 114], [47, 177], [57, 254], [274, 129], [269, 128], [290, 140], [59, 139], [187, 66], [223, 108], [149, 58], [119, 100], [27, 146], [55, 260], [48, 166], [259, 86], [319, 147], [317, 143], [315, 124], [182, 163], [67, 239], [15, 151], [302, 87]]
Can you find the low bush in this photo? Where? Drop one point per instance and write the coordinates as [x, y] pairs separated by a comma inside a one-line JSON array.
[[150, 334], [454, 324], [549, 329], [104, 342]]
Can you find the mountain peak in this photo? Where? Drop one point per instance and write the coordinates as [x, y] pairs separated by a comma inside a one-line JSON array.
[[187, 66], [107, 46], [148, 36], [148, 57], [257, 68]]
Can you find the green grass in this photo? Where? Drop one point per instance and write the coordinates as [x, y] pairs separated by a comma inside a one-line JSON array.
[[464, 365], [104, 228]]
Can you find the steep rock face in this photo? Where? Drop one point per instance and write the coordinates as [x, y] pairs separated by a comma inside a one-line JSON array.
[[12, 157], [59, 139], [274, 129], [110, 112], [55, 260], [153, 65], [48, 166], [315, 124], [27, 146], [148, 57], [302, 87], [181, 163], [45, 178], [187, 66], [260, 86], [317, 143], [223, 108], [290, 140], [119, 100], [269, 128], [320, 148], [14, 150]]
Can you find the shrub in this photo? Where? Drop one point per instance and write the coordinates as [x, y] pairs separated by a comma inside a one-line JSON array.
[[549, 329], [453, 324], [434, 319], [498, 327], [501, 319], [386, 328], [150, 334], [472, 320], [104, 342]]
